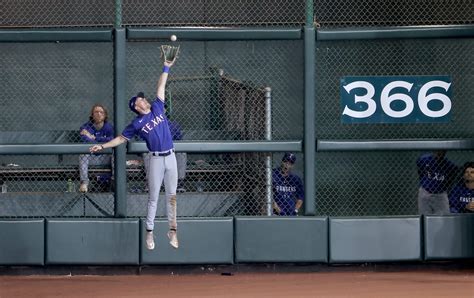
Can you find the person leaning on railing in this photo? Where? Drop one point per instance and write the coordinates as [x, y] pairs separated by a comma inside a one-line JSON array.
[[96, 130]]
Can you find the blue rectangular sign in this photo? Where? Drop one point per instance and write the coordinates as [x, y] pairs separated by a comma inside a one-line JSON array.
[[396, 99]]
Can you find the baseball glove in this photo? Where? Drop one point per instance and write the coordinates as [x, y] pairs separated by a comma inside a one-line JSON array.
[[169, 53]]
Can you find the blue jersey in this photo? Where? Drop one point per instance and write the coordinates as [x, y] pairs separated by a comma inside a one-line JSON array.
[[153, 128], [103, 135], [459, 197], [175, 130], [435, 175], [286, 191]]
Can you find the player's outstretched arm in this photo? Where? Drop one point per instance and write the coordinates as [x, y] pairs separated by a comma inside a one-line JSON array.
[[113, 143], [162, 80]]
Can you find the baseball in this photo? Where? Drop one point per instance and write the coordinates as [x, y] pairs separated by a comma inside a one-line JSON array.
[[173, 37]]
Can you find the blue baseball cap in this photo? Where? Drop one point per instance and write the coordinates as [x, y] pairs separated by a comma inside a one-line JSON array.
[[131, 103], [289, 157]]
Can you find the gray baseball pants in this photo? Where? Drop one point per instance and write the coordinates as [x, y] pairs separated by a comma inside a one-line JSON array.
[[85, 160], [162, 168], [432, 203]]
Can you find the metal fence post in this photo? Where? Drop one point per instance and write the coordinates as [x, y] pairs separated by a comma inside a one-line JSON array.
[[309, 111], [268, 158], [118, 14], [119, 117]]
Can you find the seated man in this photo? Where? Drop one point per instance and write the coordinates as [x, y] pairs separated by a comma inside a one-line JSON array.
[[288, 192], [96, 130], [461, 198]]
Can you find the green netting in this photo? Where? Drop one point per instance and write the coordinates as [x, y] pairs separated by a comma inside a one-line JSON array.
[[372, 183], [214, 13], [48, 89], [57, 13], [371, 13], [48, 186], [209, 185], [222, 91], [211, 13], [100, 13], [217, 89]]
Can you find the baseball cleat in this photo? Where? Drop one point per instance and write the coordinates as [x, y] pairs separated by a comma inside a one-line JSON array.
[[173, 236], [150, 243]]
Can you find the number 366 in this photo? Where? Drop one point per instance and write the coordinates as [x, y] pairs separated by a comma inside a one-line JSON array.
[[389, 97]]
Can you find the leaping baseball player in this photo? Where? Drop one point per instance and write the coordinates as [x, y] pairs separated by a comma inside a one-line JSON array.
[[151, 124]]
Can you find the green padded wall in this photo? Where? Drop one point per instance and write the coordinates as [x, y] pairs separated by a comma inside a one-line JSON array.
[[22, 242], [201, 241], [92, 241], [281, 239], [374, 239], [449, 237]]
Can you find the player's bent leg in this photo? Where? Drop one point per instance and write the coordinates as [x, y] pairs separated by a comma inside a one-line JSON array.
[[155, 179], [172, 219], [171, 181], [84, 171]]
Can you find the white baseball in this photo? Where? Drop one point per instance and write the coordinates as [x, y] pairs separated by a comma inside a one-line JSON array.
[[173, 38]]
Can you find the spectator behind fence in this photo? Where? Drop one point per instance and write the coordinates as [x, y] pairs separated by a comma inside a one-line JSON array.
[[461, 198], [288, 192], [436, 174], [96, 130]]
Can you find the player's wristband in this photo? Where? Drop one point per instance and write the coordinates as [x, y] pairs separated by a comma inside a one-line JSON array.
[[102, 146], [166, 69]]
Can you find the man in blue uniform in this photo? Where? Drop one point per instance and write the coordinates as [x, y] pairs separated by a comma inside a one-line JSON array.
[[181, 157], [96, 130], [436, 175], [288, 192], [461, 198], [151, 124]]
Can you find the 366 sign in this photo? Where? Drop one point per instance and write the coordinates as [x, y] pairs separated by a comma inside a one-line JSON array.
[[414, 99]]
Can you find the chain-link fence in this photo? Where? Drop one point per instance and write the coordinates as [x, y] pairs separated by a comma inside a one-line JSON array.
[[371, 13], [217, 90], [410, 57], [211, 13], [219, 184], [214, 13], [49, 89], [224, 90], [379, 183], [100, 13], [56, 13], [48, 185]]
